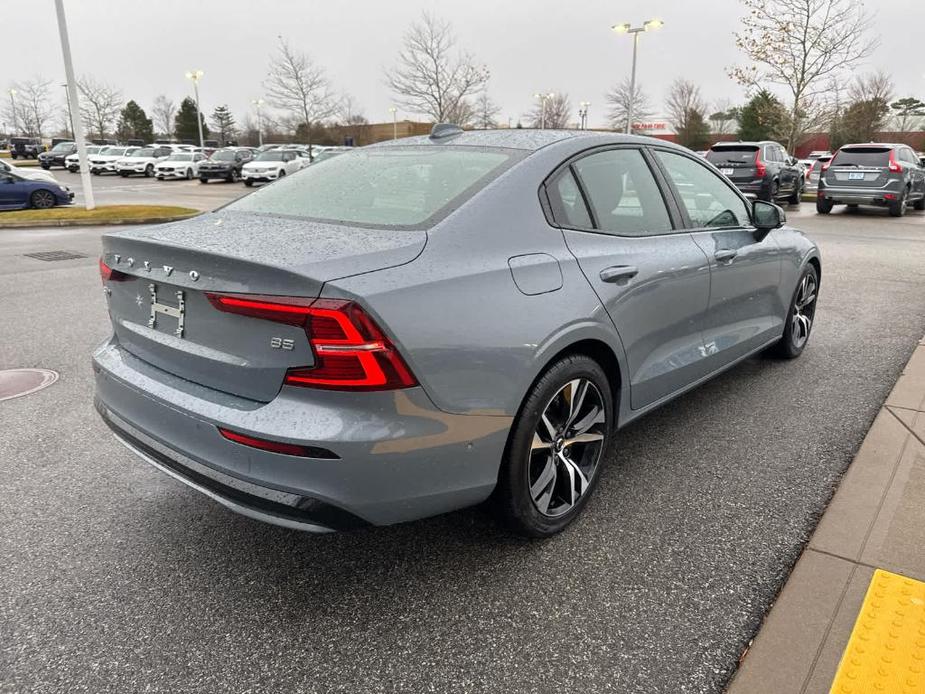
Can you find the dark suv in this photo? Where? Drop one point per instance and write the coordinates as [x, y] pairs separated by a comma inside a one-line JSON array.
[[57, 155], [762, 169], [885, 175], [225, 164], [25, 147]]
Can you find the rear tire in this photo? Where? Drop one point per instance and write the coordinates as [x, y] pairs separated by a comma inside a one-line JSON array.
[[898, 207], [203, 180], [920, 203], [248, 183], [797, 194], [824, 205], [544, 444], [800, 317]]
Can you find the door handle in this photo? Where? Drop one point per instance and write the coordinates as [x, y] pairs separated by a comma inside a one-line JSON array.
[[725, 256], [615, 273]]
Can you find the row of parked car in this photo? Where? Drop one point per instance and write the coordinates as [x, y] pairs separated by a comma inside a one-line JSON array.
[[880, 174]]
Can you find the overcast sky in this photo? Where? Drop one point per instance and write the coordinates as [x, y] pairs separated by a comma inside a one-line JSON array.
[[146, 46]]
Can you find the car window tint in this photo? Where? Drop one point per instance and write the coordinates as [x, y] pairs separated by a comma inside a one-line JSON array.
[[623, 194], [709, 201], [569, 206]]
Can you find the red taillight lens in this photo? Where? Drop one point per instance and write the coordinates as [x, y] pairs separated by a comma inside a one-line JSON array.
[[351, 352], [894, 165], [109, 275], [760, 169]]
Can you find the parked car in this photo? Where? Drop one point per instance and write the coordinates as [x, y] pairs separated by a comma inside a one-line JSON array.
[[142, 161], [818, 154], [269, 166], [57, 155], [330, 152], [18, 193], [419, 325], [72, 161], [25, 148], [179, 165], [762, 169], [30, 174], [885, 175], [815, 169], [105, 160], [225, 164]]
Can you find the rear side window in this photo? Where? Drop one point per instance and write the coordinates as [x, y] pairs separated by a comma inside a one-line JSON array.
[[622, 192], [382, 187], [862, 156], [708, 199], [732, 155], [569, 207]]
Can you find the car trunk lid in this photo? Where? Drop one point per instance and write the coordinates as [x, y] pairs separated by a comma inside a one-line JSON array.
[[738, 163], [160, 308], [862, 167]]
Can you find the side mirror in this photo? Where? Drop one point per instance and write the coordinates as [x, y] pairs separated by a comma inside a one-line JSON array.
[[766, 216], [922, 162]]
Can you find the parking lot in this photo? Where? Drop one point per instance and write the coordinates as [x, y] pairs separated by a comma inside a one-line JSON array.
[[122, 579]]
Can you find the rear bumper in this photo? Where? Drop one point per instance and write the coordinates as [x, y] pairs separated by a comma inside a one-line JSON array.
[[215, 174], [399, 457], [759, 189], [857, 195]]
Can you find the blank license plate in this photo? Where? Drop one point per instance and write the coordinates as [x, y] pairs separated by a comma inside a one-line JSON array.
[[727, 172], [855, 176]]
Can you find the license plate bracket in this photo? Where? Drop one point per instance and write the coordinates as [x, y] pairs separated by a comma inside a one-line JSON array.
[[178, 311]]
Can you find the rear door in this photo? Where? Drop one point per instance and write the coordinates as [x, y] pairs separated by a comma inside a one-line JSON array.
[[789, 175], [653, 281], [744, 310]]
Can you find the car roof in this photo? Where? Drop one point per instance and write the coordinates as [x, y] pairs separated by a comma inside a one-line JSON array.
[[518, 138]]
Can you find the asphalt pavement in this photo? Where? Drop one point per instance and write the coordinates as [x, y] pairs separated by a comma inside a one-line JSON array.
[[116, 578]]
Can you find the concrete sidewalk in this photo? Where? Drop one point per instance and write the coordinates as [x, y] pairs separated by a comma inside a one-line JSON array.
[[876, 521]]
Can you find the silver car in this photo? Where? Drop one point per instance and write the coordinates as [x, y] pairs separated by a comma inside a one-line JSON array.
[[886, 175], [424, 324]]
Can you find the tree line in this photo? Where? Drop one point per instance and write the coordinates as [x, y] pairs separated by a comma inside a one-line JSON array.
[[806, 49]]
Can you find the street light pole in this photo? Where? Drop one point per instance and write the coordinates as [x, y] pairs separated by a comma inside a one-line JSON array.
[[195, 76], [78, 131], [583, 114], [394, 112], [70, 117], [625, 28], [13, 107], [258, 103]]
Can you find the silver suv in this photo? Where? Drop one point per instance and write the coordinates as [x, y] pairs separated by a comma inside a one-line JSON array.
[[886, 175]]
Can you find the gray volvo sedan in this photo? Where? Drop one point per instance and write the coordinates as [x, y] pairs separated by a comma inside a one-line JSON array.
[[425, 324]]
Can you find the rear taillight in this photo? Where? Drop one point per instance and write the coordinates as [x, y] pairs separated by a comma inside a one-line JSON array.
[[109, 275], [760, 168], [351, 352], [276, 446], [894, 165]]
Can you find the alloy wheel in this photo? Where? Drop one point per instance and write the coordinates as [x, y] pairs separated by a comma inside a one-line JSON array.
[[804, 309], [42, 200], [567, 447]]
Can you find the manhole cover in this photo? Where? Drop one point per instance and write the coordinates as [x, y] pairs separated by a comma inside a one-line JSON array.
[[16, 382], [55, 255]]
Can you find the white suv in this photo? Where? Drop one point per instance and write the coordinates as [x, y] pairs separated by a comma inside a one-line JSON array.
[[142, 161], [179, 165], [271, 165], [72, 161], [105, 160]]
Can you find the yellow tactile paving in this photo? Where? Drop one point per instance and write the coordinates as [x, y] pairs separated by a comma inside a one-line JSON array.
[[886, 651]]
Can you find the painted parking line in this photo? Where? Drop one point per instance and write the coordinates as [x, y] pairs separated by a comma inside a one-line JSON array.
[[886, 651]]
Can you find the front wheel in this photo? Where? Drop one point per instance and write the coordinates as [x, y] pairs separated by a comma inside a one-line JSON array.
[[149, 171], [801, 315], [203, 180], [920, 203], [189, 174], [42, 200], [553, 456], [797, 193], [248, 182]]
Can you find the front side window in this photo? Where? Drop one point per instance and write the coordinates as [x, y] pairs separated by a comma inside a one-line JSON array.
[[708, 199], [381, 187], [622, 192]]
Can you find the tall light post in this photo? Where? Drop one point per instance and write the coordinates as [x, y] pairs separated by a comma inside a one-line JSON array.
[[257, 104], [543, 98], [78, 131], [13, 107], [583, 114], [70, 116], [195, 76], [394, 112], [635, 31]]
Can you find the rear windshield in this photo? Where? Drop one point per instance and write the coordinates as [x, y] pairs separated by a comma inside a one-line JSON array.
[[862, 156], [113, 151], [62, 146], [744, 154], [226, 155], [382, 187], [142, 153]]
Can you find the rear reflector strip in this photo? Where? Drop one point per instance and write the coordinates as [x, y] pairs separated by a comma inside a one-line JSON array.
[[278, 446]]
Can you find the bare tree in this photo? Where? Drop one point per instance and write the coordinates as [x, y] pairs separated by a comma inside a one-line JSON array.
[[623, 100], [724, 118], [163, 111], [349, 112], [800, 44], [557, 111], [99, 105], [33, 107], [486, 111], [687, 111], [433, 79], [301, 88]]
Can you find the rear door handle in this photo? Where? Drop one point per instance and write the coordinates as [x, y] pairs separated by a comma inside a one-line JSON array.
[[725, 256], [615, 273]]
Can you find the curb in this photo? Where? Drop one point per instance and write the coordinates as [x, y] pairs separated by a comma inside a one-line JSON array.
[[93, 222]]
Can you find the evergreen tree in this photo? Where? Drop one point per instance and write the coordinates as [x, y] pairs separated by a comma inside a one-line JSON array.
[[763, 118], [695, 133], [134, 124], [223, 123], [185, 122]]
